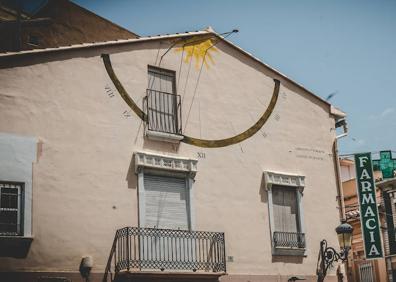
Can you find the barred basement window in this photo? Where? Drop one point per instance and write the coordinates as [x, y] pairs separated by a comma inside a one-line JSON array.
[[11, 203], [162, 104]]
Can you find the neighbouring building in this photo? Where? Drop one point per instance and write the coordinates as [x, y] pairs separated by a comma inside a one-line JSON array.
[[388, 191], [361, 269], [38, 24], [178, 157]]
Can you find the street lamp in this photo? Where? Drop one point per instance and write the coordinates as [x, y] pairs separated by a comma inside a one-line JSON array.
[[328, 255], [344, 234]]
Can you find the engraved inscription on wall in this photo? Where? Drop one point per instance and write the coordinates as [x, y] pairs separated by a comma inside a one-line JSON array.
[[310, 153]]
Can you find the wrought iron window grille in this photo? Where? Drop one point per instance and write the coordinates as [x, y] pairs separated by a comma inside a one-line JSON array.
[[289, 240], [163, 112]]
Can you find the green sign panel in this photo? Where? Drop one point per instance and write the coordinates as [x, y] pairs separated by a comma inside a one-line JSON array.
[[386, 164], [368, 206]]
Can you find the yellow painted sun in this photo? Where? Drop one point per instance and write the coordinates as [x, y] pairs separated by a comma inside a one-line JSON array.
[[200, 50]]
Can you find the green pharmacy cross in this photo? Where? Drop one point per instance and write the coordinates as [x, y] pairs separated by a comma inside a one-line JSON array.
[[386, 164]]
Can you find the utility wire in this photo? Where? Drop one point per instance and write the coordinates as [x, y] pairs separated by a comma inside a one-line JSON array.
[[156, 58], [187, 77], [181, 60], [180, 66], [200, 72]]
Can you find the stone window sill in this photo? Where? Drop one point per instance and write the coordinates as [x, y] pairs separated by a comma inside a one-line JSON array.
[[289, 252]]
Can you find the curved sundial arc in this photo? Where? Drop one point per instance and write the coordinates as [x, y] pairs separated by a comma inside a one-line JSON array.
[[191, 140]]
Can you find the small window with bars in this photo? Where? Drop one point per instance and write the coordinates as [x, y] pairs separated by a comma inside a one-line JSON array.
[[162, 103], [11, 208]]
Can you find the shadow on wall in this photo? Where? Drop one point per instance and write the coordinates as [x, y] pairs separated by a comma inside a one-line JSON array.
[[131, 177], [288, 259], [151, 145], [263, 191], [154, 146], [16, 247], [160, 146]]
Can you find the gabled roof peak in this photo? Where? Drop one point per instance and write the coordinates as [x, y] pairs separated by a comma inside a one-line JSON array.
[[208, 30]]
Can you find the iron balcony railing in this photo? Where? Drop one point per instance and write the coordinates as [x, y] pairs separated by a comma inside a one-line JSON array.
[[163, 112], [152, 249], [289, 240]]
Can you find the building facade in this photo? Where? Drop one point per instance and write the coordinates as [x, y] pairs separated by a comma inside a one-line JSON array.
[[388, 189], [167, 157], [360, 269]]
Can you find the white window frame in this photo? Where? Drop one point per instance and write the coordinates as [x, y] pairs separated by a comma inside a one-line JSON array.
[[281, 180], [167, 166], [16, 165]]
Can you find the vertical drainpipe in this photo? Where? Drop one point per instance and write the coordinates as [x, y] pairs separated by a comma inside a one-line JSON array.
[[340, 122], [340, 192]]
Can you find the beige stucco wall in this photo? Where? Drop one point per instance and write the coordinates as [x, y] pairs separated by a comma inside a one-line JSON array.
[[84, 165]]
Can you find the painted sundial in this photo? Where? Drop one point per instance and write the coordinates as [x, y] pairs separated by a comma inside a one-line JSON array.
[[198, 52]]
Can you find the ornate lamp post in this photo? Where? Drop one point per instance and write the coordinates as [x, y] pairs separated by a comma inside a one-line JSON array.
[[328, 255]]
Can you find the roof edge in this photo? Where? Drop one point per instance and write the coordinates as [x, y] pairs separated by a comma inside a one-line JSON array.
[[386, 183], [332, 110], [102, 43], [337, 112]]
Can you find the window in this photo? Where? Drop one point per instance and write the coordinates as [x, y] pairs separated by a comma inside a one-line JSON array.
[[11, 203], [165, 191], [166, 203], [162, 103], [285, 211], [284, 201], [287, 231], [161, 80]]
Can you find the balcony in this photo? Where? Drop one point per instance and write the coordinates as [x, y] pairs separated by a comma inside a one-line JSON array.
[[151, 250], [288, 243], [163, 116]]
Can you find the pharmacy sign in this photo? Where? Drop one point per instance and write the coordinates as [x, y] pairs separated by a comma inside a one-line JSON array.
[[368, 206]]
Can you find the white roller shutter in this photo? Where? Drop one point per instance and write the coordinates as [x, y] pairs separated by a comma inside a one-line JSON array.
[[165, 202]]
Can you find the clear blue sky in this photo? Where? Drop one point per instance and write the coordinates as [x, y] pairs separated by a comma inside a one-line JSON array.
[[347, 47]]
